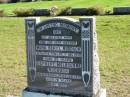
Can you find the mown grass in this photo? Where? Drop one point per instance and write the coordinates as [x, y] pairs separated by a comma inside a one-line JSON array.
[[107, 4], [114, 50], [12, 56]]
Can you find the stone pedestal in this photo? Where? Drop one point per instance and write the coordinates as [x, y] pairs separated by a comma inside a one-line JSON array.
[[27, 93]]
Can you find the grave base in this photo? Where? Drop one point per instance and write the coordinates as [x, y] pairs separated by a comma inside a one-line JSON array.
[[26, 93]]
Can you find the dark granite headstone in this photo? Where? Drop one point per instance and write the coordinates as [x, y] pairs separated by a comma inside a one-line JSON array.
[[41, 12], [121, 10], [62, 56], [79, 11]]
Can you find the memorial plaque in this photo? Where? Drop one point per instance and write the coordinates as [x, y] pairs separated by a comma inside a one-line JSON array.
[[62, 56]]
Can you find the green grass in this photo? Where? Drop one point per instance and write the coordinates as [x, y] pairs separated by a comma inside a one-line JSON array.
[[114, 50], [108, 4], [12, 56]]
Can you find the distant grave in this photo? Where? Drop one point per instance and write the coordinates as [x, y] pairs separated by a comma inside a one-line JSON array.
[[121, 10]]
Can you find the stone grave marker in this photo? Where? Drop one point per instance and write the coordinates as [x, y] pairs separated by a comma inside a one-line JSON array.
[[62, 57], [121, 10]]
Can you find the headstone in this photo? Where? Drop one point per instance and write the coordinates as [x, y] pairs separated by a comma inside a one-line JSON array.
[[41, 12], [79, 11], [121, 10], [62, 57]]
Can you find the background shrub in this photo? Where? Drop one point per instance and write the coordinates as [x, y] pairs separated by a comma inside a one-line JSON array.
[[54, 11], [23, 12], [64, 11], [1, 12], [97, 10], [60, 11], [108, 12]]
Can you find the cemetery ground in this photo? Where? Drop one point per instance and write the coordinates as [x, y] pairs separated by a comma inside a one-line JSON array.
[[114, 50]]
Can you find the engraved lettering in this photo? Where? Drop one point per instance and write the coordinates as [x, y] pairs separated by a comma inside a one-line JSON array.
[[58, 42], [60, 54], [58, 48], [66, 76], [58, 59], [59, 64], [58, 80], [57, 32], [58, 70], [56, 37], [62, 85], [61, 25]]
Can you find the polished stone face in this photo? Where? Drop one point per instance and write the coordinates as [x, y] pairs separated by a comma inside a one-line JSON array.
[[60, 56]]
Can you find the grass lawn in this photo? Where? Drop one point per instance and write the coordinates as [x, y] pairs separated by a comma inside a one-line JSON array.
[[108, 4], [114, 50]]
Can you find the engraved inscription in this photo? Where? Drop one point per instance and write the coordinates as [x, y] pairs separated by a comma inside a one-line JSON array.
[[58, 53], [62, 25], [58, 64], [58, 42], [58, 48]]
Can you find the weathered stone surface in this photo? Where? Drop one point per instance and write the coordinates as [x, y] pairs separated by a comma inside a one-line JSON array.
[[62, 56]]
